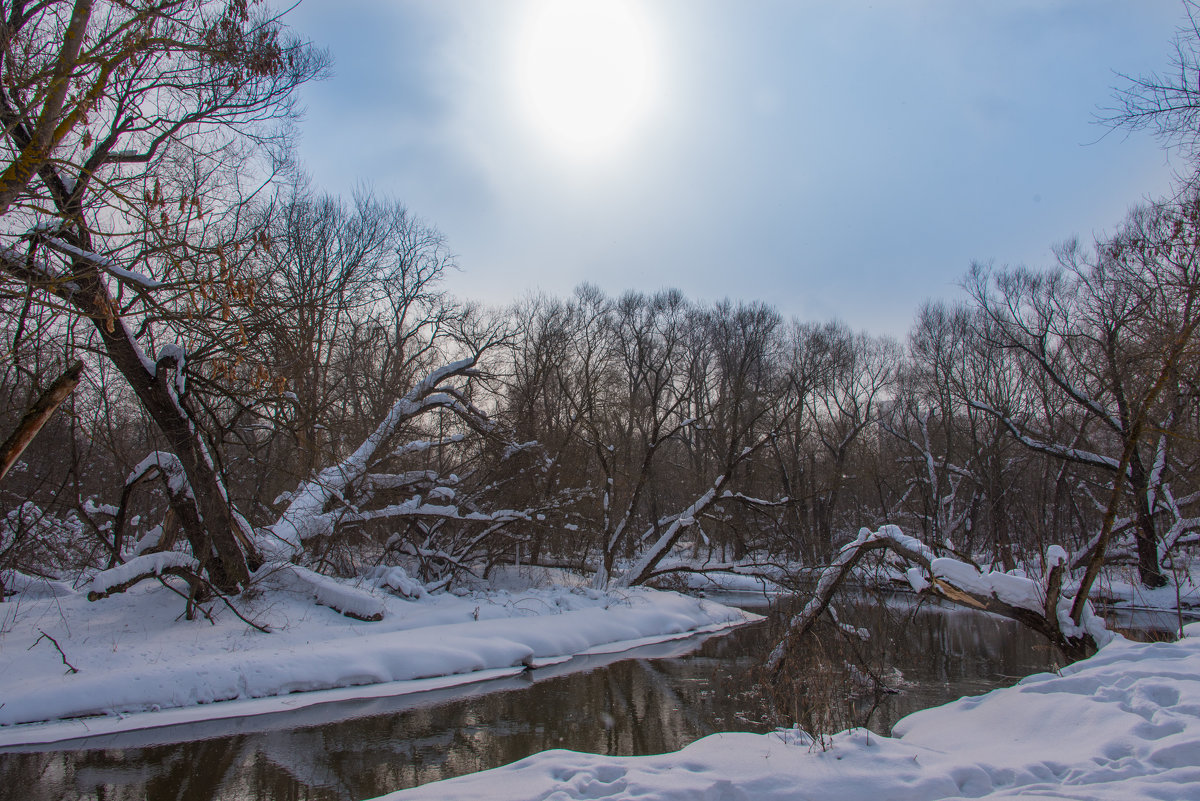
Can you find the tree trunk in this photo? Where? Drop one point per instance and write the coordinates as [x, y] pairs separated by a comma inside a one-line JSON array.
[[1145, 535], [37, 416], [212, 533]]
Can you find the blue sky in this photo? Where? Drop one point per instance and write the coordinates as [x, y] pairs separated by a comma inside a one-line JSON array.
[[836, 159]]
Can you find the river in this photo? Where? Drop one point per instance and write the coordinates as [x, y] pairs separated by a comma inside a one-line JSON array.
[[650, 700]]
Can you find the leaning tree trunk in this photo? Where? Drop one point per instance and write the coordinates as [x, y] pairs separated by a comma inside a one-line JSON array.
[[37, 416], [214, 534]]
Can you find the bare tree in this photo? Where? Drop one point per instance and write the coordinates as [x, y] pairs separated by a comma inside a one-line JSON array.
[[1102, 341], [1167, 104], [123, 123]]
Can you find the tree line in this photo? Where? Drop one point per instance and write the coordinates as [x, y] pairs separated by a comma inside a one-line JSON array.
[[272, 375]]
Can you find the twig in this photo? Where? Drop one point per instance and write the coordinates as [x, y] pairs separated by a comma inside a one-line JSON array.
[[70, 668], [235, 610], [201, 580]]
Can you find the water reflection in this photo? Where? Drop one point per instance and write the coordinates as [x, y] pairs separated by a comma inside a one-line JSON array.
[[658, 701]]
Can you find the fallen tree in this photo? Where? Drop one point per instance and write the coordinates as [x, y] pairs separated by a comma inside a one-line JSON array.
[[1042, 606]]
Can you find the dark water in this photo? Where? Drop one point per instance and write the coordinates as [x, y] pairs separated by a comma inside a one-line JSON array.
[[652, 700]]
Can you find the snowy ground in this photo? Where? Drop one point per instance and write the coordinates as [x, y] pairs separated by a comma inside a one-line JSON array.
[[1120, 726], [137, 665]]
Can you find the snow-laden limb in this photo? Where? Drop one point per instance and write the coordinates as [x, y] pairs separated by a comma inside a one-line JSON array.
[[350, 601], [174, 357], [741, 575], [179, 491], [374, 482], [414, 508], [1180, 527], [643, 567], [151, 565], [832, 576], [170, 467], [304, 517], [652, 555], [425, 445], [102, 262], [1050, 448], [396, 580], [1042, 607]]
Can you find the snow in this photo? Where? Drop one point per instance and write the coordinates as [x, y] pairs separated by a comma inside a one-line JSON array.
[[1122, 725], [171, 468], [173, 352], [136, 655], [915, 580], [397, 580], [33, 587], [1126, 591], [1013, 590]]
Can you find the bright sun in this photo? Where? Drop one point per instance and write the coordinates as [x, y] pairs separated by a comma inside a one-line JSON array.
[[586, 72]]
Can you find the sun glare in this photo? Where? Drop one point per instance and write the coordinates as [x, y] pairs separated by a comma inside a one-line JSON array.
[[586, 72]]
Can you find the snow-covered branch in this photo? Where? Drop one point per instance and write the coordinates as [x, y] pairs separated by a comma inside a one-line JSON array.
[[102, 262], [152, 565], [304, 517], [643, 566], [1052, 449]]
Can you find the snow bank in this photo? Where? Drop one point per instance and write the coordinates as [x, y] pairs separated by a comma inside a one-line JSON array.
[[1124, 590], [134, 654], [1122, 725]]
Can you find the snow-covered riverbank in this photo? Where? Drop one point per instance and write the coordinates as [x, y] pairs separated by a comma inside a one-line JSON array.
[[1122, 725], [136, 665]]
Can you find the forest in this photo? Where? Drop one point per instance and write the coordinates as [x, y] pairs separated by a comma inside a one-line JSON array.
[[266, 372]]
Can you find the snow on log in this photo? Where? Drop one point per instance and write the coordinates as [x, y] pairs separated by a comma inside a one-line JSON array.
[[152, 565], [16, 582], [350, 601]]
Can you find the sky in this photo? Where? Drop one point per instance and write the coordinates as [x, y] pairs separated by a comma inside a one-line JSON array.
[[843, 159]]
